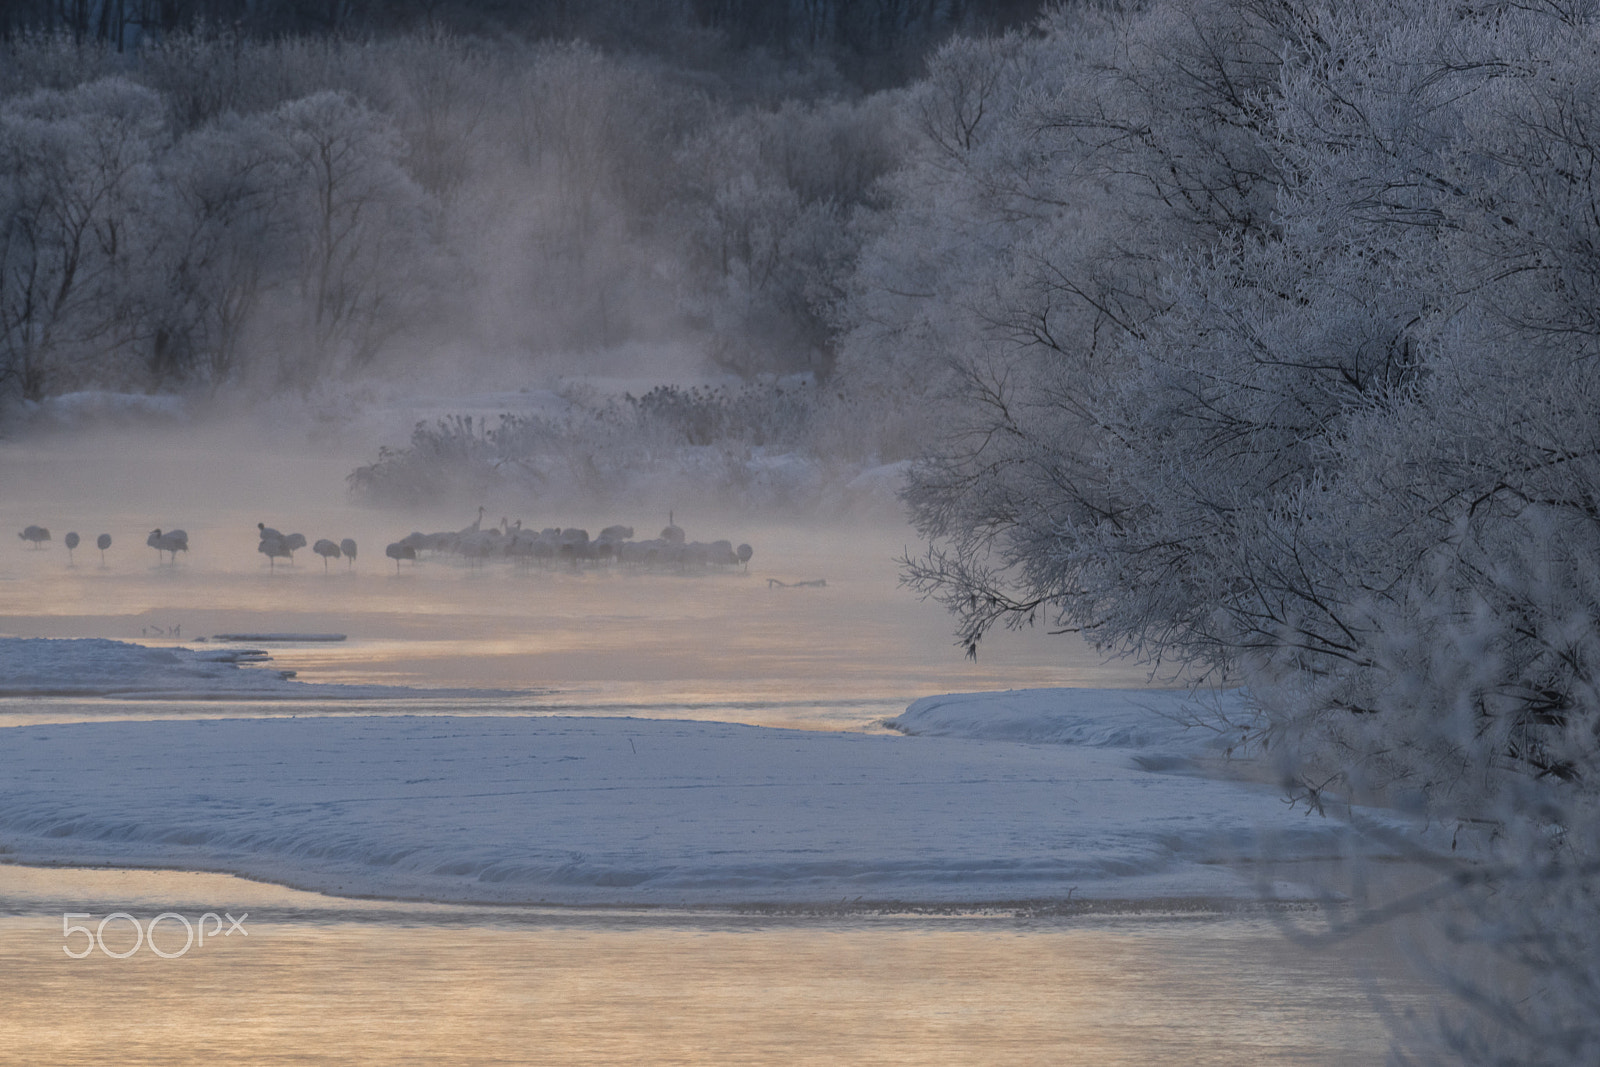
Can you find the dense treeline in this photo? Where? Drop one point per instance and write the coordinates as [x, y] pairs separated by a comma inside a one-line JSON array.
[[191, 200], [216, 211], [875, 41]]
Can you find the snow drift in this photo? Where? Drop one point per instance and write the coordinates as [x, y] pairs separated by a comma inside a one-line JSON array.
[[95, 667], [636, 812]]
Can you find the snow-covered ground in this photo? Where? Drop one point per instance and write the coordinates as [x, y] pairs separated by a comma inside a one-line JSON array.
[[1007, 796], [95, 667], [1153, 722]]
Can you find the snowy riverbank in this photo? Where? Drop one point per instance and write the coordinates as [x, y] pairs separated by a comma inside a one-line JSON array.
[[1024, 795], [95, 667]]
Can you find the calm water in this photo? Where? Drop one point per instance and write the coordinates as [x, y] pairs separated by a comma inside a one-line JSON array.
[[330, 981], [726, 646], [323, 981]]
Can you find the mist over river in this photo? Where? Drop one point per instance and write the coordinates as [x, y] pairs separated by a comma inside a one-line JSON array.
[[726, 644], [326, 979]]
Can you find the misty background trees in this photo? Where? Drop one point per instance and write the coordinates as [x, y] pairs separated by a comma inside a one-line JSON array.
[[300, 190], [1256, 339], [183, 224]]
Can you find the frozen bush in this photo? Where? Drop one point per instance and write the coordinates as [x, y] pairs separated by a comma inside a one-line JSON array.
[[762, 445]]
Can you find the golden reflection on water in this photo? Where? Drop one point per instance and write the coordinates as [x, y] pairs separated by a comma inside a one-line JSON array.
[[444, 623], [324, 980], [611, 639], [1181, 992], [341, 982]]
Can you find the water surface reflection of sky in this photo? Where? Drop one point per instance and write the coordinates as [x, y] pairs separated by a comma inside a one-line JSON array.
[[323, 981]]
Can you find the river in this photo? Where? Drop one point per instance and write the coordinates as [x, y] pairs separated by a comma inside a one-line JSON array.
[[322, 980]]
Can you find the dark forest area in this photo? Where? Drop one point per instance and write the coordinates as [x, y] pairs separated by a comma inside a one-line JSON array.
[[876, 43]]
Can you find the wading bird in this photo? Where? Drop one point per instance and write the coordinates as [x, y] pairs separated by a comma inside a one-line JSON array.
[[327, 550], [673, 534], [71, 541], [173, 541], [103, 542], [37, 534], [399, 551], [274, 549], [348, 547]]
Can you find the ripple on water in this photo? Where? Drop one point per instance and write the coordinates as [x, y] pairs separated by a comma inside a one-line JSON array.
[[322, 980]]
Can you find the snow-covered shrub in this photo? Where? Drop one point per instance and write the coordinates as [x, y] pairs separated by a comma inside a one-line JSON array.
[[1284, 386], [755, 446], [764, 416], [1478, 701], [449, 456]]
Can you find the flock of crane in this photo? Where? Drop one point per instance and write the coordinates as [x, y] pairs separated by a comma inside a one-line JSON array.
[[276, 546], [474, 543], [38, 535], [571, 545]]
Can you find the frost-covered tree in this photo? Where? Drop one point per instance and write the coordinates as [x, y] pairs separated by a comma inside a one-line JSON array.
[[1161, 382], [308, 188], [774, 221], [76, 185], [361, 230], [226, 242], [1288, 376]]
